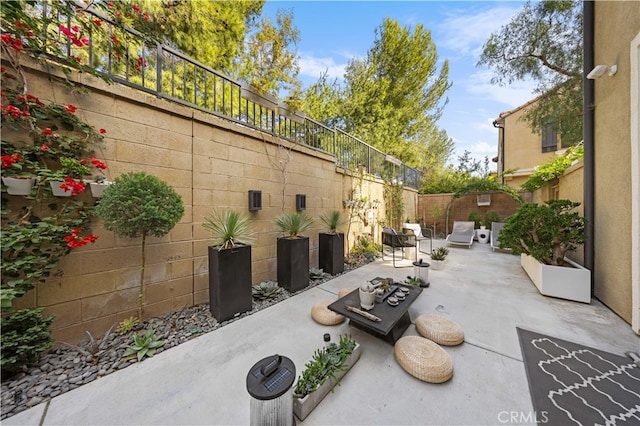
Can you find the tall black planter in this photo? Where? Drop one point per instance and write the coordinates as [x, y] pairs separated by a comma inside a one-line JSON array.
[[331, 253], [293, 263], [229, 282]]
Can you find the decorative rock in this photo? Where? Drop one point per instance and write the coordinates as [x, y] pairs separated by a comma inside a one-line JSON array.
[[439, 329], [423, 359]]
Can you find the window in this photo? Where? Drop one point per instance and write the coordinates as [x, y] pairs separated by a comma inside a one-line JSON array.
[[549, 138]]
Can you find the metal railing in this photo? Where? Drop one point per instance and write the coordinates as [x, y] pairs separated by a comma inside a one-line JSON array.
[[127, 57]]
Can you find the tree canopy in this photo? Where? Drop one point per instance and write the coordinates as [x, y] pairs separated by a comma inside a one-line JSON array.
[[391, 99], [544, 42]]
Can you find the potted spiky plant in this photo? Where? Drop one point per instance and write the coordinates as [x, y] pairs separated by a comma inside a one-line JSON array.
[[293, 251], [229, 264], [331, 244], [543, 235]]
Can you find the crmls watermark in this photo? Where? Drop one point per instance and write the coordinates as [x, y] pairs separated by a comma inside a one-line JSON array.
[[516, 417]]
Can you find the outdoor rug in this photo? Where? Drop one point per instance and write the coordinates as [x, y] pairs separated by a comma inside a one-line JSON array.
[[571, 384]]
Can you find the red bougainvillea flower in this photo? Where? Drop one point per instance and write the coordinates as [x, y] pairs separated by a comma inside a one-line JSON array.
[[72, 185], [35, 99], [110, 4], [97, 22], [74, 241], [44, 147], [103, 131], [47, 131], [97, 163], [71, 108], [145, 16], [8, 160], [136, 8]]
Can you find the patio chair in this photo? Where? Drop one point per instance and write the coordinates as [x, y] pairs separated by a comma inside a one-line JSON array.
[[393, 240], [422, 235], [462, 233], [496, 227]]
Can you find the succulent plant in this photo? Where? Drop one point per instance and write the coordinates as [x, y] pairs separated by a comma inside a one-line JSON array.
[[144, 344], [316, 273], [440, 253], [266, 290]]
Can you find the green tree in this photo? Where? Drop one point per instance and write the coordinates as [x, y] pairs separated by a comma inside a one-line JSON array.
[[211, 31], [544, 42], [393, 97], [269, 60], [140, 205]]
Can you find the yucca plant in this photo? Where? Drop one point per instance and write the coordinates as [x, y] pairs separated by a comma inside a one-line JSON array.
[[293, 223], [332, 219], [228, 228]]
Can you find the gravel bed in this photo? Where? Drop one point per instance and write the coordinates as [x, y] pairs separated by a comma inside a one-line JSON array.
[[63, 367]]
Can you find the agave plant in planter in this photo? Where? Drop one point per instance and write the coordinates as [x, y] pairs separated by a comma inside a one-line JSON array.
[[229, 264], [543, 235], [438, 257], [293, 251], [331, 243]]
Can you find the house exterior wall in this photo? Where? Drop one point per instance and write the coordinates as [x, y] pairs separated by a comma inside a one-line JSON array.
[[212, 163], [522, 148], [616, 25]]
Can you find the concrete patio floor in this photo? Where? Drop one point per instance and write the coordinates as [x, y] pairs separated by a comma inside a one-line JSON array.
[[487, 293]]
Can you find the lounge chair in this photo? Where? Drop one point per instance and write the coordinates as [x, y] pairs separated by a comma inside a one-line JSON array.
[[393, 240], [462, 233], [496, 227]]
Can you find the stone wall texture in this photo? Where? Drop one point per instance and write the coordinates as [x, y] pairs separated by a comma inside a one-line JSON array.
[[212, 163]]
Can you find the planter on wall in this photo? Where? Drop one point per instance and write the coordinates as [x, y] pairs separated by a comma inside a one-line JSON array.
[[230, 282], [331, 253], [293, 263], [303, 406], [97, 188], [564, 282], [18, 185], [56, 190]]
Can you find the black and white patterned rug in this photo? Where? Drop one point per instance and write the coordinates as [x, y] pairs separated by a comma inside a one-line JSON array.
[[571, 384]]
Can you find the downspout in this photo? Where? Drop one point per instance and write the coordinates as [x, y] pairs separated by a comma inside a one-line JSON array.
[[588, 8], [500, 149]]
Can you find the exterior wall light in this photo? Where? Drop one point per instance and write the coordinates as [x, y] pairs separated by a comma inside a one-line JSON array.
[[599, 70]]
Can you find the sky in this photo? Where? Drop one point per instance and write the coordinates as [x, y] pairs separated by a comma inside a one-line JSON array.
[[334, 32]]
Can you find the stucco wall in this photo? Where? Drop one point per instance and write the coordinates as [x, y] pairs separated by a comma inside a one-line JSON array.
[[616, 24], [522, 148], [212, 163]]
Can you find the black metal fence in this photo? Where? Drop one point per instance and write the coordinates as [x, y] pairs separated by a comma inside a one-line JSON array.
[[126, 57]]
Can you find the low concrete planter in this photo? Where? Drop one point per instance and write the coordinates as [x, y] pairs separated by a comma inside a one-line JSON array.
[[303, 406], [437, 265], [559, 281]]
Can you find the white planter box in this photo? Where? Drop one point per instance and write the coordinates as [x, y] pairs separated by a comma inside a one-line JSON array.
[[437, 265], [303, 406], [559, 281]]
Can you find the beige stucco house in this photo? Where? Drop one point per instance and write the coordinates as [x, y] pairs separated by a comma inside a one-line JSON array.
[[520, 149], [612, 154], [610, 172]]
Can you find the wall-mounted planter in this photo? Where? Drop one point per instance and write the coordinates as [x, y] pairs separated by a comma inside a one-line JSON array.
[[303, 406], [18, 185], [564, 282], [56, 190], [98, 188]]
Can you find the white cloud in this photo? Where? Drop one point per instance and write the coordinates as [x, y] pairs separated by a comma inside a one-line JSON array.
[[313, 67], [465, 31], [514, 95]]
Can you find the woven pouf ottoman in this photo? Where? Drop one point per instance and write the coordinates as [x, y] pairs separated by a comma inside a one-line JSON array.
[[439, 329], [343, 292], [423, 359], [324, 316]]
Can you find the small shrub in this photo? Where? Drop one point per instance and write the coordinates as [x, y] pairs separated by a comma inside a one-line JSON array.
[[476, 218], [127, 324], [144, 344], [266, 290], [366, 247], [490, 217], [25, 334], [440, 253]]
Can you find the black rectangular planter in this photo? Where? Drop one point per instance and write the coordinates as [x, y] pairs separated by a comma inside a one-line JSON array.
[[230, 282], [293, 263], [331, 253]]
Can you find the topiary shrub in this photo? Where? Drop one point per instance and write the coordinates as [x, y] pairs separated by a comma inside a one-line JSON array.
[[137, 205], [491, 216], [25, 334], [476, 218]]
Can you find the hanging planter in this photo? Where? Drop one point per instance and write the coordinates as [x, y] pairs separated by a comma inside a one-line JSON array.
[[18, 185], [97, 188], [57, 190]]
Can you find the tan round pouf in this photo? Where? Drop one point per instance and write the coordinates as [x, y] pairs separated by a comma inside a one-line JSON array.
[[345, 291], [439, 329], [423, 359], [324, 316]]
